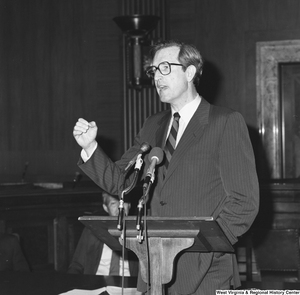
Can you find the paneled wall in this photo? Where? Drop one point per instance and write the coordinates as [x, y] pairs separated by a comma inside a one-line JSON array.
[[59, 60], [226, 32]]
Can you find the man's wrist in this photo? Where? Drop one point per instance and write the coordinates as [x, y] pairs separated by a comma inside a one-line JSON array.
[[91, 148], [86, 153]]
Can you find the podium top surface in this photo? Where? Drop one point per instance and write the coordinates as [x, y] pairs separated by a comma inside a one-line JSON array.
[[205, 230]]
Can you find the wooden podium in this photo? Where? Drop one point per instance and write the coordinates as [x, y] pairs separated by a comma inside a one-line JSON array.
[[164, 238]]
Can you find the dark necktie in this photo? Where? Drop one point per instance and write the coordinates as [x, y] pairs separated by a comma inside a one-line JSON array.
[[115, 264], [171, 141]]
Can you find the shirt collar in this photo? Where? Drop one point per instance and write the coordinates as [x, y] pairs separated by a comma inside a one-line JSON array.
[[187, 112]]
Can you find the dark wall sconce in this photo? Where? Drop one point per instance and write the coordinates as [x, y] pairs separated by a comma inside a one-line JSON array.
[[136, 29]]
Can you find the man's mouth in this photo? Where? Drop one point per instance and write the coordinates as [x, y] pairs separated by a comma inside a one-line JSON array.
[[161, 87]]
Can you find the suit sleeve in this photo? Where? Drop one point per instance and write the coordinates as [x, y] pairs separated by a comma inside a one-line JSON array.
[[239, 177], [107, 174]]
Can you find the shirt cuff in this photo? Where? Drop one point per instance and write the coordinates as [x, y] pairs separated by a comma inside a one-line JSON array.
[[84, 156]]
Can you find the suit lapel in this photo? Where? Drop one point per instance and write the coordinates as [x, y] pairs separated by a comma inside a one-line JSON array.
[[162, 130], [191, 135], [161, 135]]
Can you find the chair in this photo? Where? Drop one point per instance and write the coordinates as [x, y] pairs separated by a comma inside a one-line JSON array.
[[66, 233], [277, 254], [11, 254]]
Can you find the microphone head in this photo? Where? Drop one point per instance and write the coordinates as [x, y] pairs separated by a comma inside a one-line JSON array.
[[145, 147], [157, 153]]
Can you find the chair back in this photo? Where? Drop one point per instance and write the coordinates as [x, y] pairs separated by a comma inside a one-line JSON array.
[[277, 253]]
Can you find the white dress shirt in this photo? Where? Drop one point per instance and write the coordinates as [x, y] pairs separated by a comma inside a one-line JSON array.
[[104, 265], [186, 114]]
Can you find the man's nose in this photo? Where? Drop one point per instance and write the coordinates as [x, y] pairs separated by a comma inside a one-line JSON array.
[[157, 75]]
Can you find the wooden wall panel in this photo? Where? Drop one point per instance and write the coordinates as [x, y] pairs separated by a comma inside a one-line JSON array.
[[59, 60], [216, 28], [220, 30]]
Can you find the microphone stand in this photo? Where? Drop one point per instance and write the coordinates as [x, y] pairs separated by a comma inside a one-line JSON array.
[[143, 201], [137, 168]]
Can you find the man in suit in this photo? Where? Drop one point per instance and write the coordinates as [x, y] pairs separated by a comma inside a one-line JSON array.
[[92, 256], [211, 169]]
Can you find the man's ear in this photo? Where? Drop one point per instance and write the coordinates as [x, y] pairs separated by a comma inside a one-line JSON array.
[[190, 72], [105, 208]]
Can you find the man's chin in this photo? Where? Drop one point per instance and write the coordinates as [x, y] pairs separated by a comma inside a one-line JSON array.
[[163, 98]]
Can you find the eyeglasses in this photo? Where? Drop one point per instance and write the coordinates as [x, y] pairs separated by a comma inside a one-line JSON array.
[[164, 68]]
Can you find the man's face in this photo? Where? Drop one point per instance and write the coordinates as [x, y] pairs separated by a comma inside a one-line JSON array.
[[113, 207], [172, 87]]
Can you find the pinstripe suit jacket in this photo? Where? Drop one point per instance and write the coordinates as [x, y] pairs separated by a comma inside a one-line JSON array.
[[212, 173]]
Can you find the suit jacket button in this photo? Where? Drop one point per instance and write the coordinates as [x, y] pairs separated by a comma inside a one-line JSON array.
[[163, 203]]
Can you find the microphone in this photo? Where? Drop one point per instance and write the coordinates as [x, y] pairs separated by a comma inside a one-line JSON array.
[[121, 215], [138, 163], [143, 148], [156, 156], [139, 216], [137, 168]]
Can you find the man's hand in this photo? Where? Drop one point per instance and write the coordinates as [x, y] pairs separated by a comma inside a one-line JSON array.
[[85, 134]]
